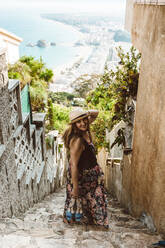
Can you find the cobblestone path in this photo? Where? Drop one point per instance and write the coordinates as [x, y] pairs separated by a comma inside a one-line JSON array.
[[42, 227]]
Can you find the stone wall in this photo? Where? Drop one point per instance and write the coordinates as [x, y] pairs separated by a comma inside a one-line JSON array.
[[130, 10], [148, 161], [28, 171], [8, 171], [139, 181]]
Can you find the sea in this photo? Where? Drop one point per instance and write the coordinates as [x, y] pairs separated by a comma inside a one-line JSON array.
[[31, 27]]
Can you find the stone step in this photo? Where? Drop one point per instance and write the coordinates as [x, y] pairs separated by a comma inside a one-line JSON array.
[[42, 227]]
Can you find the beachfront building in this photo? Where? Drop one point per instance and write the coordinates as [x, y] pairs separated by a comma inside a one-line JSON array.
[[11, 43]]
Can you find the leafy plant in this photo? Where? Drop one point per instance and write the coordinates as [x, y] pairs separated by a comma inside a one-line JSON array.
[[30, 70], [61, 97], [20, 71], [113, 90], [38, 97], [98, 129], [57, 116]]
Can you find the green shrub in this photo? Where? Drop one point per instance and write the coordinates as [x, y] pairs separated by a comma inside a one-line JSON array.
[[59, 116], [111, 94], [33, 71], [46, 75], [38, 97], [61, 97]]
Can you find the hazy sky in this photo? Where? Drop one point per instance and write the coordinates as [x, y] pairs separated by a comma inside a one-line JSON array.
[[108, 6]]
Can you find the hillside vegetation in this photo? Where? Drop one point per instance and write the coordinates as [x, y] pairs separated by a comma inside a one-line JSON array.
[[33, 71], [109, 94]]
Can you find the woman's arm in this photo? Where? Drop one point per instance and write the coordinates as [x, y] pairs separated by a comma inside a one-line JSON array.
[[76, 148], [93, 115]]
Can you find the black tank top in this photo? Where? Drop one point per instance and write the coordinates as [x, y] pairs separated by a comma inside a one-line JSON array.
[[88, 157]]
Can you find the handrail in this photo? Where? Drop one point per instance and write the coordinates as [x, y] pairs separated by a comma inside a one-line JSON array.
[[25, 101]]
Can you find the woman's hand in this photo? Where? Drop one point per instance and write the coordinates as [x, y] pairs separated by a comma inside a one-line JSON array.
[[75, 192], [93, 113]]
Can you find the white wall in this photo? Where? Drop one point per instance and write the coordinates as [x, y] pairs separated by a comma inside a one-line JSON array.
[[12, 46], [13, 53]]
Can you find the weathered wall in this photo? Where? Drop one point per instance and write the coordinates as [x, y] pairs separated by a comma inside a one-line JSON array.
[[126, 181], [8, 171], [112, 168], [148, 162], [102, 161], [28, 171]]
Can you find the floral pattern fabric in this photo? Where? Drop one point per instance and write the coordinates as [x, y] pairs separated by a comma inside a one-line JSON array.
[[92, 196]]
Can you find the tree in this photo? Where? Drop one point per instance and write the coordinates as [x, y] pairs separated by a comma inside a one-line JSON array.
[[61, 97], [46, 75], [85, 83], [36, 66], [21, 72], [33, 71]]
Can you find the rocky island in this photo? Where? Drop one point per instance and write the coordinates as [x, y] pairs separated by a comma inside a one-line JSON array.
[[41, 43]]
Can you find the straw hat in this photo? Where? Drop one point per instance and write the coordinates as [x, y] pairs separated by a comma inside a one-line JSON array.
[[77, 115]]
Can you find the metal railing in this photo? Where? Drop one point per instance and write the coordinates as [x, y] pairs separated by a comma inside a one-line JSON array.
[[25, 101]]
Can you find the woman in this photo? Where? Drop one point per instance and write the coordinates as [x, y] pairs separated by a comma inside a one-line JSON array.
[[86, 199]]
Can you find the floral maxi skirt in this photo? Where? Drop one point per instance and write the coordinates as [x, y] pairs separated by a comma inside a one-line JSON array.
[[92, 201]]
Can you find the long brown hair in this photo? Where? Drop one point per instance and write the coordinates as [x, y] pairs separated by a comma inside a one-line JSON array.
[[73, 132]]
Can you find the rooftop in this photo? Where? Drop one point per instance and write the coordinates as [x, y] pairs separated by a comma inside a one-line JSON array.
[[10, 35]]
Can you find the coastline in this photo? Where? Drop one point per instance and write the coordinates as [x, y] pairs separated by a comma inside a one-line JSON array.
[[95, 49], [60, 80], [65, 25], [83, 54], [64, 74]]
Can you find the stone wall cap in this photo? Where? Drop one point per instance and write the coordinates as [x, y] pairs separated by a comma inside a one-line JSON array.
[[13, 83], [54, 133], [25, 117], [38, 117]]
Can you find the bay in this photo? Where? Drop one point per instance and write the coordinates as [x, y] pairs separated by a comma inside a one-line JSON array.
[[31, 27]]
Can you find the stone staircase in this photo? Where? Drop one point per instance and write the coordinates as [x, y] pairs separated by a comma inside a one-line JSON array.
[[42, 227]]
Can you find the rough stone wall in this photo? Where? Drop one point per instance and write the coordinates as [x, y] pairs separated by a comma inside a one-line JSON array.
[[8, 171], [28, 171], [148, 161]]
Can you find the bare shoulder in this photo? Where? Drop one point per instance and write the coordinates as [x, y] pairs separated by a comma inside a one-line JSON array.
[[76, 143]]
